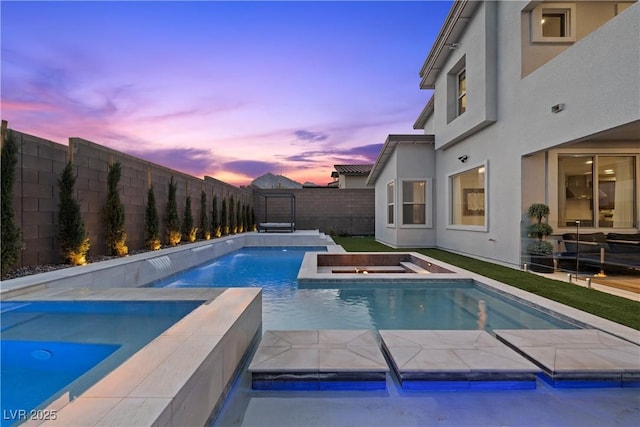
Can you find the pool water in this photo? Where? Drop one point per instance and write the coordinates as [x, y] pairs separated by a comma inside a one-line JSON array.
[[31, 370], [51, 348], [449, 304]]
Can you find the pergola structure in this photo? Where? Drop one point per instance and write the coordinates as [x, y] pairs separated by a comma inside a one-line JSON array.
[[278, 226]]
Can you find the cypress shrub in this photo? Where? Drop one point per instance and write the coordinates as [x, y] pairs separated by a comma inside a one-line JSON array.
[[204, 221], [215, 218], [233, 227], [224, 219], [72, 237], [245, 217], [254, 224], [240, 223], [115, 234], [151, 222], [171, 219], [10, 239], [189, 232]]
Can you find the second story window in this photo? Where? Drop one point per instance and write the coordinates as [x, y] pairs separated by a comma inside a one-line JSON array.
[[457, 90], [462, 92], [553, 22]]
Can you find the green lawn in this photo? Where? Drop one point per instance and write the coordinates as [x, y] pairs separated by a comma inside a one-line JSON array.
[[617, 309]]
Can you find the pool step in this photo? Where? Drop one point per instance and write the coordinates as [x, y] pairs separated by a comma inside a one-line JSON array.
[[413, 268], [455, 360], [443, 360], [573, 358], [319, 360]]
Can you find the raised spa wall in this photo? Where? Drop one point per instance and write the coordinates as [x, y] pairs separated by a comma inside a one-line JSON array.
[[386, 259]]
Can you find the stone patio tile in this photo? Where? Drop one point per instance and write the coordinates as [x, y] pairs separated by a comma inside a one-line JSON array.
[[495, 359], [576, 354], [454, 356], [291, 360], [428, 360]]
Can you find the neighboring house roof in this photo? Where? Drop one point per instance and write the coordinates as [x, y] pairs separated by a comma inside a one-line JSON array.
[[427, 111], [447, 40], [352, 169], [388, 147]]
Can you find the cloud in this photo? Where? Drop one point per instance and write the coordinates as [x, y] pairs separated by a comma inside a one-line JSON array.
[[194, 161], [369, 152], [251, 168], [351, 155], [307, 135]]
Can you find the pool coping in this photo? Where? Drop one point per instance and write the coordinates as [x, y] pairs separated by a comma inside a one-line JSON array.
[[141, 269], [310, 270], [309, 277]]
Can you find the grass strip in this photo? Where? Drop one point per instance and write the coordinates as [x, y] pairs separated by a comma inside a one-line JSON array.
[[611, 307]]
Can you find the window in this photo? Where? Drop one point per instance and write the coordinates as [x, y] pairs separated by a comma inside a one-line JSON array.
[[457, 89], [462, 92], [390, 203], [468, 198], [554, 22], [611, 178], [414, 197]]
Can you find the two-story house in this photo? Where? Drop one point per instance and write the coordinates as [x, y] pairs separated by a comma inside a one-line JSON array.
[[533, 102]]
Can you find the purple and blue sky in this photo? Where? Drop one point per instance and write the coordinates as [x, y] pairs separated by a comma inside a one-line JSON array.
[[227, 89]]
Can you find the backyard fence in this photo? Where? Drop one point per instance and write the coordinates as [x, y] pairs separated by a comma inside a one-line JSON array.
[[35, 198]]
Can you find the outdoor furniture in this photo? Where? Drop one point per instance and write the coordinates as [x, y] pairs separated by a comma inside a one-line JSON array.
[[288, 227], [613, 252]]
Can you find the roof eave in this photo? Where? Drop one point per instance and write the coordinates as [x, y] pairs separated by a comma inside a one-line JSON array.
[[387, 149], [427, 111], [447, 40]]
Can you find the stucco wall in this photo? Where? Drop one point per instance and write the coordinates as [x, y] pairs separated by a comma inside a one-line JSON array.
[[408, 161], [596, 79]]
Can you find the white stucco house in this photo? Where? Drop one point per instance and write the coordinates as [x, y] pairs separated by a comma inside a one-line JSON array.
[[533, 102]]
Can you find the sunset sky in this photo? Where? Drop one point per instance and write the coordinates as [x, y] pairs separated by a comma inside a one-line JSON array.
[[230, 90]]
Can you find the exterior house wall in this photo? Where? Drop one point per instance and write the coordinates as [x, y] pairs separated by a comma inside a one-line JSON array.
[[591, 15], [407, 162], [477, 54], [384, 232], [353, 181], [415, 162], [598, 95]]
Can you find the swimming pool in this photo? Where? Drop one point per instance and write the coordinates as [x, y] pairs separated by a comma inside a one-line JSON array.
[[50, 349], [432, 304]]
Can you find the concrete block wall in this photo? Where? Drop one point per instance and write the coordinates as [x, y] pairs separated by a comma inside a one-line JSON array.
[[35, 201], [350, 211], [40, 163], [35, 196]]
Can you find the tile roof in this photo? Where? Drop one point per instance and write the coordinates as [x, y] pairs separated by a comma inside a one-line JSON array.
[[353, 169]]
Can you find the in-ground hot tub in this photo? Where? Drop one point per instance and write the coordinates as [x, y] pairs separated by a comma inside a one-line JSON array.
[[372, 266]]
